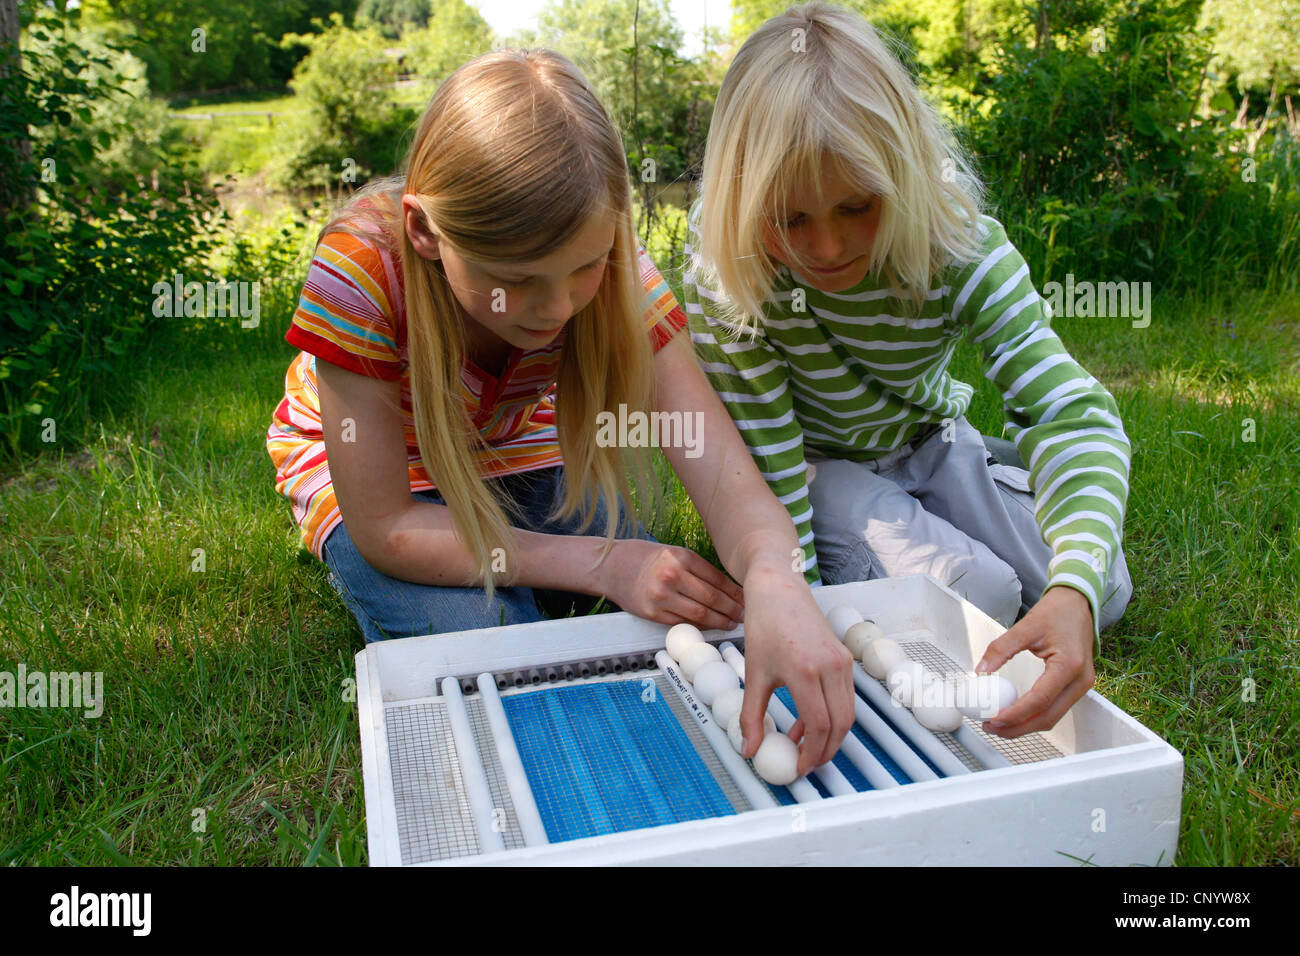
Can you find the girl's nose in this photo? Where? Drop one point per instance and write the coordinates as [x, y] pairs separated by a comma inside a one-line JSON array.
[[555, 307], [825, 246]]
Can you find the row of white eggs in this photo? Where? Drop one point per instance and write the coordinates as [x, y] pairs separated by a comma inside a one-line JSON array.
[[937, 704], [718, 687]]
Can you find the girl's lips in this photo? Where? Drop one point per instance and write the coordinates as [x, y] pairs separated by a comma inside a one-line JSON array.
[[831, 272]]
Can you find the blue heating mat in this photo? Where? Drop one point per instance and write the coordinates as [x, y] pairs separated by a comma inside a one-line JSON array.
[[601, 758]]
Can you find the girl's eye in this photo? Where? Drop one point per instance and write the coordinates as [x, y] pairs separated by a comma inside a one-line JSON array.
[[519, 283], [849, 211]]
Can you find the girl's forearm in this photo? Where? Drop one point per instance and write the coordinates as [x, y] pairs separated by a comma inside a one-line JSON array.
[[749, 526], [759, 535], [421, 545]]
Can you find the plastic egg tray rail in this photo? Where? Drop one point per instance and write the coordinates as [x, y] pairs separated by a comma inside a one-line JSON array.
[[566, 742]]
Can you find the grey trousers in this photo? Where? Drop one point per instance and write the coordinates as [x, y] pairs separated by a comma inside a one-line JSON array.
[[941, 509]]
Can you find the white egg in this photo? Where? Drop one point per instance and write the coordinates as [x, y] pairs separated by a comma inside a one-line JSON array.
[[907, 681], [860, 635], [733, 729], [714, 678], [727, 703], [841, 619], [695, 657], [680, 637], [880, 655], [946, 719], [983, 695], [777, 760]]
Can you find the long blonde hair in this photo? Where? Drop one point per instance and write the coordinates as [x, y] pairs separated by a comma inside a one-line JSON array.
[[515, 152], [818, 81]]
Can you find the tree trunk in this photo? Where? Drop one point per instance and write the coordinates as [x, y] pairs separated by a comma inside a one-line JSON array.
[[16, 194]]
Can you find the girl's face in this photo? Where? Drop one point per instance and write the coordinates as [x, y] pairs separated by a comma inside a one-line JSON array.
[[832, 233], [522, 304]]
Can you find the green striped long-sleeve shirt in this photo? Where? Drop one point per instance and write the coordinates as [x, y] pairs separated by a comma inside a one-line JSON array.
[[852, 378]]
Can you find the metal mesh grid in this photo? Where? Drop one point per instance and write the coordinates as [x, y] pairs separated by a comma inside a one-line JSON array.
[[511, 832], [1031, 748], [433, 818]]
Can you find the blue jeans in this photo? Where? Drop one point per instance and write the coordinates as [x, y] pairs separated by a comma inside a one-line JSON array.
[[388, 607]]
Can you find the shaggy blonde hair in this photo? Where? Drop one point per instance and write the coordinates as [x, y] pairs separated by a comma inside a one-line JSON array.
[[818, 81], [513, 155]]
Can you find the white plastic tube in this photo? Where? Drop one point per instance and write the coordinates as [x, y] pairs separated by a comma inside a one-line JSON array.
[[521, 794], [908, 725], [979, 748], [477, 791], [753, 789]]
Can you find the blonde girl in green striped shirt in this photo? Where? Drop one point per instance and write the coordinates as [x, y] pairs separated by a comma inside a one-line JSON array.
[[837, 256]]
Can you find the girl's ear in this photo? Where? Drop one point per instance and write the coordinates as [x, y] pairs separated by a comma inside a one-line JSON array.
[[417, 228]]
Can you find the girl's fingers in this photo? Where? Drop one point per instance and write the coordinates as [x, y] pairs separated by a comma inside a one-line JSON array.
[[709, 573], [1011, 643], [711, 597], [1053, 682], [753, 706], [1048, 718], [693, 612], [839, 692], [816, 725]]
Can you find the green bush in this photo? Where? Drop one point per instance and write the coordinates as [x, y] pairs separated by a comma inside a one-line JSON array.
[[454, 35], [1100, 163], [127, 126], [79, 260], [349, 129]]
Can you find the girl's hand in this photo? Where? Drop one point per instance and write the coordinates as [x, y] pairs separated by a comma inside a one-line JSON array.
[[1059, 630], [670, 585], [789, 643]]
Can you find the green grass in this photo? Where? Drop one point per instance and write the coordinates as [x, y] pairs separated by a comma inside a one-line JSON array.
[[227, 689]]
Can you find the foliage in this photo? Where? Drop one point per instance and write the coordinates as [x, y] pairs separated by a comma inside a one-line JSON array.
[[240, 40], [1257, 41], [664, 240], [1099, 159], [455, 34], [663, 115], [78, 266], [137, 136], [393, 17], [350, 128]]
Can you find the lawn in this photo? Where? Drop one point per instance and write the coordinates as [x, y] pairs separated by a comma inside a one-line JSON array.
[[160, 554]]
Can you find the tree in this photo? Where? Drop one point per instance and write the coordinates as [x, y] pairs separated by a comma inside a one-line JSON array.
[[237, 46], [15, 195], [393, 17], [1257, 41], [659, 113], [454, 34], [350, 127]]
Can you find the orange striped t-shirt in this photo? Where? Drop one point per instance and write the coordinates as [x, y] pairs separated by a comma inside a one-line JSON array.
[[352, 314]]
